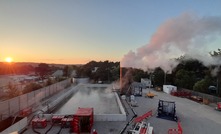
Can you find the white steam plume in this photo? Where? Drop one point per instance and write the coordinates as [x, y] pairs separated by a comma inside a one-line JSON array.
[[186, 34]]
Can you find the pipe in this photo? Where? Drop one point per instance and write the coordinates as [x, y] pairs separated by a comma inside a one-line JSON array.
[[14, 119], [60, 130], [35, 130], [49, 128]]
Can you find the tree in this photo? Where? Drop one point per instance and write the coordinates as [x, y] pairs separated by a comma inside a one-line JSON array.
[[43, 70], [158, 79], [185, 79], [31, 87], [49, 82], [115, 73], [217, 54], [105, 71], [12, 91], [138, 74], [202, 85], [67, 71], [191, 65]]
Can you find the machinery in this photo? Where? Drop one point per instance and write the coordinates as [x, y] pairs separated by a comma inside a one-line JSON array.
[[167, 110], [39, 123], [184, 94], [57, 118], [66, 122], [83, 120], [218, 106], [141, 128], [150, 95]]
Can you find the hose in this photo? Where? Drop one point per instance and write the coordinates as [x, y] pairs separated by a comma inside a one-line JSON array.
[[49, 128], [60, 130], [35, 130]]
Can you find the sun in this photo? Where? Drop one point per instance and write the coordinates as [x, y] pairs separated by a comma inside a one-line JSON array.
[[8, 59]]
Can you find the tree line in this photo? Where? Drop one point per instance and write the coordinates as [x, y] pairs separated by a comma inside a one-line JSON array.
[[189, 73]]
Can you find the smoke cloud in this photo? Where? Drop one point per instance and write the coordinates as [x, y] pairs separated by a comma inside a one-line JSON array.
[[186, 34]]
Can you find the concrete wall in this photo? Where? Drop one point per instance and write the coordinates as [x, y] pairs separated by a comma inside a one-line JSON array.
[[61, 98], [100, 85], [110, 117], [97, 117], [81, 80], [122, 110], [17, 127], [12, 106]]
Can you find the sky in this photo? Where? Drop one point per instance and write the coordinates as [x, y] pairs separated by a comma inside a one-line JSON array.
[[78, 31]]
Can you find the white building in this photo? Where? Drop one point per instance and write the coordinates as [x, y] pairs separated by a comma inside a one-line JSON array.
[[169, 88], [58, 73]]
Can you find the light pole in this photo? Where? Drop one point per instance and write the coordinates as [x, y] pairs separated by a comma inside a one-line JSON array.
[[165, 77], [217, 86], [150, 81]]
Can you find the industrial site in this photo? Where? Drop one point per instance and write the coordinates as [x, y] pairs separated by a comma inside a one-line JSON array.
[[101, 108], [110, 67]]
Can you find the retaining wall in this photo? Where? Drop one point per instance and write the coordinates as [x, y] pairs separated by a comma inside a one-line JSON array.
[[97, 117], [17, 127], [12, 106]]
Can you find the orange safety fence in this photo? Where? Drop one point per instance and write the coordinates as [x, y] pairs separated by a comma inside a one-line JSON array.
[[140, 118], [179, 130]]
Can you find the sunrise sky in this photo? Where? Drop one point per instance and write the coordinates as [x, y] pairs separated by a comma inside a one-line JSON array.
[[78, 31]]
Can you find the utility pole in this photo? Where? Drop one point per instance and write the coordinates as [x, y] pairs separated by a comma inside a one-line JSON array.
[[217, 86], [150, 82], [165, 77]]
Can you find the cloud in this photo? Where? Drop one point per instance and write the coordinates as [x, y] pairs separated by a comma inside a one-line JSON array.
[[186, 34]]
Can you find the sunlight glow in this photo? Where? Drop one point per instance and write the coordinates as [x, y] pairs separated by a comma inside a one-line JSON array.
[[8, 59]]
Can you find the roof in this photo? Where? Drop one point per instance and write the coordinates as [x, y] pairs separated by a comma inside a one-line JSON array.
[[84, 111]]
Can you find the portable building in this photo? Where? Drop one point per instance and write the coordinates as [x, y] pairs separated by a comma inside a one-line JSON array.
[[169, 88]]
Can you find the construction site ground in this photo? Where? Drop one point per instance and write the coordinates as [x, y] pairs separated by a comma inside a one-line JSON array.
[[195, 118]]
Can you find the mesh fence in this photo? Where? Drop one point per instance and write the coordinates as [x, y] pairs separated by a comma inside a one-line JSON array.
[[211, 98]]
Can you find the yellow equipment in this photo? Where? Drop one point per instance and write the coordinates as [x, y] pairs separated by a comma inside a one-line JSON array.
[[150, 95]]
